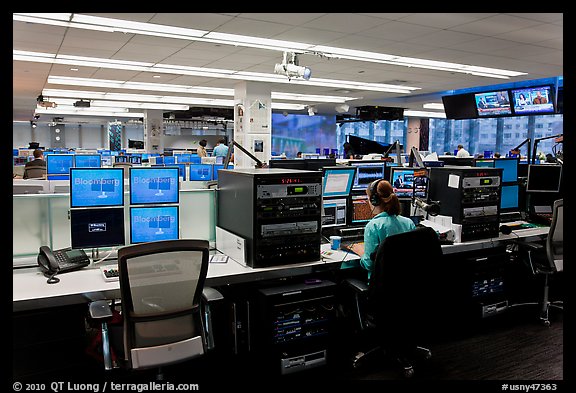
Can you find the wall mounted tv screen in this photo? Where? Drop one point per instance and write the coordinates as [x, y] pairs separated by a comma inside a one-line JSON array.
[[459, 106], [533, 100], [493, 103]]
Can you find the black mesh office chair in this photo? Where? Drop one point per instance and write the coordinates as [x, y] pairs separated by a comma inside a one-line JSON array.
[[545, 260], [397, 306], [34, 172], [164, 320]]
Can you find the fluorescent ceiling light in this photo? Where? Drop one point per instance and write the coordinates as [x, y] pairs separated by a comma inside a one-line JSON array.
[[63, 80], [412, 113], [206, 72], [125, 26], [433, 105], [85, 112]]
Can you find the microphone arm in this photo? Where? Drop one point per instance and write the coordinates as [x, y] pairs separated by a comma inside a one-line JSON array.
[[432, 208]]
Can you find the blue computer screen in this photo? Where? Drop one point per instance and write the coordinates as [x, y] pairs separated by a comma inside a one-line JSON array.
[[121, 159], [87, 161], [58, 166], [218, 167], [183, 158], [195, 159], [202, 172], [509, 168], [154, 185], [168, 160], [181, 170], [148, 224], [509, 197], [91, 187], [338, 181]]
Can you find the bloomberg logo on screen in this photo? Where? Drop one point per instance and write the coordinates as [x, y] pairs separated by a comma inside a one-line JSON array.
[[97, 227]]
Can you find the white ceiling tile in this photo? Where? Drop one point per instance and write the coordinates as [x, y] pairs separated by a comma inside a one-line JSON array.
[[398, 31], [495, 25], [443, 20], [344, 22], [288, 18]]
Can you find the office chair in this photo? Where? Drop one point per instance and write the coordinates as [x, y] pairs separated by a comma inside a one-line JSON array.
[[164, 319], [34, 172], [545, 260], [397, 304]]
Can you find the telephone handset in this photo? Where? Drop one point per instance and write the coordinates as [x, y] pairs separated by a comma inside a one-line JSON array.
[[55, 262]]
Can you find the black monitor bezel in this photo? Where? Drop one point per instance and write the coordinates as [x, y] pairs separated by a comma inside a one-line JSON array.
[[74, 215], [530, 168]]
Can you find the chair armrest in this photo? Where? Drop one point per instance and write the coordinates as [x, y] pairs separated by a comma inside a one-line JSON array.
[[357, 285], [100, 309], [210, 295]]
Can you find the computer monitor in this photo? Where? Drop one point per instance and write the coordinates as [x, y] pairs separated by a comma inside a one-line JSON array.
[[338, 181], [58, 166], [509, 168], [135, 159], [217, 168], [106, 160], [118, 158], [544, 178], [181, 170], [150, 185], [296, 163], [220, 160], [196, 159], [367, 172], [334, 212], [91, 187], [484, 162], [403, 182], [317, 164], [509, 198], [183, 158], [97, 227], [200, 172], [87, 161], [361, 210], [169, 160], [153, 223]]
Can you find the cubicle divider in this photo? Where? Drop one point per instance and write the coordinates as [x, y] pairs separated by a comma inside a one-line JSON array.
[[43, 220]]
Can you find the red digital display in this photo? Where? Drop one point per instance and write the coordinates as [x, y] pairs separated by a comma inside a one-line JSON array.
[[291, 180]]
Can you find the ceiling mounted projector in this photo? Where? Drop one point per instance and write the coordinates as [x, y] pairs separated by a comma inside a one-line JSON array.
[[291, 68]]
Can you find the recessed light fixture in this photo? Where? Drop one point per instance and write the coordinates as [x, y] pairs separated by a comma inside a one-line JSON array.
[[73, 69], [155, 76]]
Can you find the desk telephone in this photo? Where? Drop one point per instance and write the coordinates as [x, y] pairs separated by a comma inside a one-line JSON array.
[[54, 262]]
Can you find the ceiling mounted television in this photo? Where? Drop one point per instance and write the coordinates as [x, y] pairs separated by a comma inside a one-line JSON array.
[[459, 106], [533, 100], [493, 103]]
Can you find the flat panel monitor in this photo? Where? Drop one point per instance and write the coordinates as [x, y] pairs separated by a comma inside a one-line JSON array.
[[533, 100], [97, 227], [367, 172], [168, 160], [220, 160], [338, 181], [58, 166], [544, 178], [181, 170], [334, 212], [460, 106], [493, 103], [509, 168], [317, 164], [87, 161], [200, 172], [183, 158], [196, 159], [409, 182], [217, 168], [118, 158], [135, 159], [484, 162], [152, 185], [361, 210], [96, 187], [153, 223], [106, 160], [509, 198]]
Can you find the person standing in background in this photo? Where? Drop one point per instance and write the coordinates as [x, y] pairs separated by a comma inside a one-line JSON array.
[[348, 151], [221, 149], [201, 150]]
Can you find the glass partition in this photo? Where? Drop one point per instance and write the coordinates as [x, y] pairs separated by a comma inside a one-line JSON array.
[[43, 219]]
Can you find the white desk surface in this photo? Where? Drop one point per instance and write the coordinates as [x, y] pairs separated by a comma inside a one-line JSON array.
[[30, 290]]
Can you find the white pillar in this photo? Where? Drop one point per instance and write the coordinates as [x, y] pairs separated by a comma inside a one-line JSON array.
[[252, 122], [413, 135], [153, 131]]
